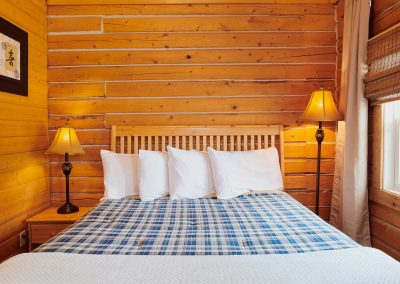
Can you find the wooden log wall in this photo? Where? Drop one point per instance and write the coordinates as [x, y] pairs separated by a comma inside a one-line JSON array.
[[24, 169], [339, 44], [190, 64], [385, 13], [384, 207]]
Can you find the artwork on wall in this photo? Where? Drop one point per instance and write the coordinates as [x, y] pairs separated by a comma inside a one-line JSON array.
[[13, 59]]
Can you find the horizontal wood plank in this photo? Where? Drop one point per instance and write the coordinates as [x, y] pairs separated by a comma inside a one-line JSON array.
[[377, 243], [107, 120], [194, 9], [191, 40], [225, 23], [287, 118], [76, 90], [300, 55], [385, 232], [103, 2], [74, 24], [90, 74], [78, 122], [298, 166], [212, 88], [387, 19], [99, 106], [384, 213]]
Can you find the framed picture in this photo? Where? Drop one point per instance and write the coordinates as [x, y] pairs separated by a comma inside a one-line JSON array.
[[13, 59]]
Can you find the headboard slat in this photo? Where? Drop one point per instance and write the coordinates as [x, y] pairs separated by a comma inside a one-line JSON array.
[[191, 143], [225, 144], [122, 144], [245, 143], [238, 138], [252, 142]]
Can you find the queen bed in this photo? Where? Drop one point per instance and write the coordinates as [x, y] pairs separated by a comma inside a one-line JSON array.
[[262, 237]]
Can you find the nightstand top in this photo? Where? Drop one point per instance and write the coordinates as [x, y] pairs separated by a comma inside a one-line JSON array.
[[51, 215]]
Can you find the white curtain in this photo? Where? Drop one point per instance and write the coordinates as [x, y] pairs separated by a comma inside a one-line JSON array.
[[349, 210]]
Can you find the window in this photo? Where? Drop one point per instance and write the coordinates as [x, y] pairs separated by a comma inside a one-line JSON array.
[[391, 146]]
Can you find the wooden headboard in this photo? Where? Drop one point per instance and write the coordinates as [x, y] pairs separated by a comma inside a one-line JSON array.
[[129, 139]]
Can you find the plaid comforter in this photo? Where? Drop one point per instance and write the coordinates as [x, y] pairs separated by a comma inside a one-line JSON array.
[[254, 224]]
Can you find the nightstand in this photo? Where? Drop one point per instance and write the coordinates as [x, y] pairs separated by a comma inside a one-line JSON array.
[[48, 223]]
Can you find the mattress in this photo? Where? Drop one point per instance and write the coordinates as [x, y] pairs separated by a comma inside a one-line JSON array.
[[262, 224]]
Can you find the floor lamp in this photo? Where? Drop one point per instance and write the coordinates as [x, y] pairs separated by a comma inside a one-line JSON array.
[[66, 143], [321, 107]]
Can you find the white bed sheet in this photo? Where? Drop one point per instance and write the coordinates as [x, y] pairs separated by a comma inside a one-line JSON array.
[[355, 265]]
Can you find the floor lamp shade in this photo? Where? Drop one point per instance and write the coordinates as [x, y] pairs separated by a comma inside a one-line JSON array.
[[321, 107], [66, 143]]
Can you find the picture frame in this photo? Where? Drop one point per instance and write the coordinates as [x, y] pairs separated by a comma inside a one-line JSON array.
[[13, 59]]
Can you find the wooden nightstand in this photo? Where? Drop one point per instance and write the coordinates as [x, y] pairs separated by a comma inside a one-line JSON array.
[[48, 223]]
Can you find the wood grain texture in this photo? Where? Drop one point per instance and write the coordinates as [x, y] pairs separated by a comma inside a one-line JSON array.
[[204, 56], [191, 40], [192, 72], [386, 13], [384, 206], [24, 169], [340, 31], [219, 23], [74, 24], [194, 9], [103, 2], [214, 63]]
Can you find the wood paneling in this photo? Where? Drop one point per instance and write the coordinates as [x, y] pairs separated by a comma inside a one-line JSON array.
[[74, 24], [103, 2], [204, 56], [193, 9], [197, 64], [386, 13], [220, 40], [24, 169], [384, 206], [212, 23], [339, 44]]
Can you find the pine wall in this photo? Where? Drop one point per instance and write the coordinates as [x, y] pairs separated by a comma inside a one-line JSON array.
[[24, 168], [190, 64], [384, 207]]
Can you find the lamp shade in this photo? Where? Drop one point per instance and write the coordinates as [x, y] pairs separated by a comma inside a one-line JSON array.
[[65, 141], [321, 107]]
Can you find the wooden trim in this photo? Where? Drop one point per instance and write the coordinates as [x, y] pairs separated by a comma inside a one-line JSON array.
[[377, 150], [238, 137], [106, 2]]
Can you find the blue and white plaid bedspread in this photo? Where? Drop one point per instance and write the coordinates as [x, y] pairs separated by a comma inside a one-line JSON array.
[[258, 224]]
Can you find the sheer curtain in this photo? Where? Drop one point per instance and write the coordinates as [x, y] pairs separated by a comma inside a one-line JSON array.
[[349, 211]]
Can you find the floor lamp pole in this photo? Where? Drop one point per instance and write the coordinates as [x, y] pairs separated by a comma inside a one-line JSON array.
[[319, 135], [67, 208]]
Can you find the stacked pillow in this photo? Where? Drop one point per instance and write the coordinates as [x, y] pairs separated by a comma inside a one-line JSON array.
[[190, 174]]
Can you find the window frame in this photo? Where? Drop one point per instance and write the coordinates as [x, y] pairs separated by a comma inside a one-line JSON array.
[[389, 171]]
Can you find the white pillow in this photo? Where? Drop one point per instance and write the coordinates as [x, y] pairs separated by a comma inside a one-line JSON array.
[[121, 174], [153, 175], [236, 173], [190, 174]]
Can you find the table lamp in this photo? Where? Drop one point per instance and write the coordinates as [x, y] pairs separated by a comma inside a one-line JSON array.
[[321, 107], [66, 143]]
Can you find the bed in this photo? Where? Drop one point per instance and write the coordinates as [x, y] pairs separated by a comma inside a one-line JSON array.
[[253, 238]]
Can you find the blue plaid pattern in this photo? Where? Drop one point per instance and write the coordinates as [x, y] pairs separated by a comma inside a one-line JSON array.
[[258, 224]]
